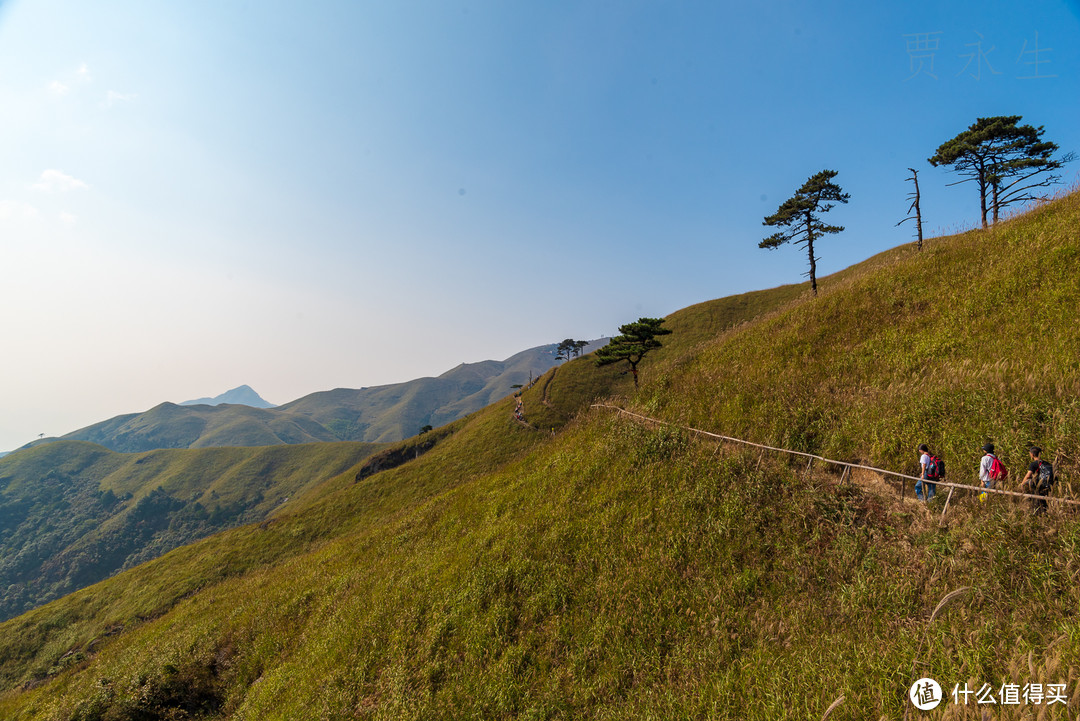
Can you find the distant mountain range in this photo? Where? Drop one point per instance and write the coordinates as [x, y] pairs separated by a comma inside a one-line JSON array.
[[244, 395], [126, 490], [377, 414]]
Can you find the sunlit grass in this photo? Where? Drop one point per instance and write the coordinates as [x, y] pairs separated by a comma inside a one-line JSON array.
[[616, 571]]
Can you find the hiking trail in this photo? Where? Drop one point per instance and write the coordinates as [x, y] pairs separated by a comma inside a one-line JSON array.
[[544, 390], [848, 467]]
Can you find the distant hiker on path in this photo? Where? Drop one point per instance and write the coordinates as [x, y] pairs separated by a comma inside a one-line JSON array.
[[1039, 480], [931, 468], [991, 470]]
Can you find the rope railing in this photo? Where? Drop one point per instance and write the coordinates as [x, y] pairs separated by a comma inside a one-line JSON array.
[[845, 464]]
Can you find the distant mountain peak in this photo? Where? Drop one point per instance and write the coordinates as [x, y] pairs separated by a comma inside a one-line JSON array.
[[242, 395]]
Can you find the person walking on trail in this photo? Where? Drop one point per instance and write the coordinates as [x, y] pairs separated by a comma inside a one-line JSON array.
[[931, 469], [991, 470], [1039, 480]]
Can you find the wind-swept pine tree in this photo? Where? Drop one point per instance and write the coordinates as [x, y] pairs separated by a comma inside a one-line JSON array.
[[1004, 159], [636, 340], [799, 215], [565, 350]]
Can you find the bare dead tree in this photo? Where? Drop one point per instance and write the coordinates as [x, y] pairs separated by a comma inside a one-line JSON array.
[[915, 198]]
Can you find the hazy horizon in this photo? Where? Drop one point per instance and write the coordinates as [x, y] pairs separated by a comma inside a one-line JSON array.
[[195, 197]]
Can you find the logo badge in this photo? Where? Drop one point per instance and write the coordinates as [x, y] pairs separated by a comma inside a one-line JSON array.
[[925, 694]]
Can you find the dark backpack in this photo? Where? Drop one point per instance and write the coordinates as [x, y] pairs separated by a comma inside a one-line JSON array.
[[935, 469], [1045, 479]]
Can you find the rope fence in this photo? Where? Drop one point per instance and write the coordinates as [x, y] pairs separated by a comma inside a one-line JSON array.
[[845, 464]]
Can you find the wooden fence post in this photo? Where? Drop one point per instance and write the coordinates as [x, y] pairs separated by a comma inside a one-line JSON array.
[[946, 509]]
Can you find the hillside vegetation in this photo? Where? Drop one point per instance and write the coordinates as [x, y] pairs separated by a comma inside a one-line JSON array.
[[614, 571], [973, 340], [169, 425], [74, 513]]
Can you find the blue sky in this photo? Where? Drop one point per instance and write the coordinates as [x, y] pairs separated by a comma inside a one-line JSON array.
[[341, 194]]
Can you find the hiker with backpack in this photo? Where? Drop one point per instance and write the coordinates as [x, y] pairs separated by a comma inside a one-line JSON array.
[[931, 468], [991, 470], [1039, 480]]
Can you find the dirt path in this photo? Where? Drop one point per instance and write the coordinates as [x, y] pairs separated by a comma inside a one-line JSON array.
[[544, 390]]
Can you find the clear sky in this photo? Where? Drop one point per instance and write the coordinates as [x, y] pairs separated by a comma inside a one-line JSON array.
[[302, 196]]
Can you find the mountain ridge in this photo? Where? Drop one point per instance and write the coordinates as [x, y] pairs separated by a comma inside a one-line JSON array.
[[376, 414], [243, 395]]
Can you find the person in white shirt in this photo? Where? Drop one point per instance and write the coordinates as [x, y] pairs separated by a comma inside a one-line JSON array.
[[984, 468], [923, 484]]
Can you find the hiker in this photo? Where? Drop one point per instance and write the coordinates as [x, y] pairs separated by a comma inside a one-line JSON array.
[[1039, 480], [931, 468], [991, 470]]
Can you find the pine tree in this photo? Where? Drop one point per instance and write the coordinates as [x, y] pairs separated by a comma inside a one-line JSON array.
[[565, 350], [636, 340], [799, 214], [1004, 159]]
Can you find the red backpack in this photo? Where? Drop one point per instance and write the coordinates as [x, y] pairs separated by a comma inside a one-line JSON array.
[[997, 470], [935, 469]]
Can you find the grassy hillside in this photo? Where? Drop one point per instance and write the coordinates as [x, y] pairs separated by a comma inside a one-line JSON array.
[[569, 388], [617, 571], [73, 513], [973, 340], [172, 426]]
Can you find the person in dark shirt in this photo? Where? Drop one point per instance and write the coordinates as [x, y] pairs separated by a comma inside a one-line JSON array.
[[1039, 480]]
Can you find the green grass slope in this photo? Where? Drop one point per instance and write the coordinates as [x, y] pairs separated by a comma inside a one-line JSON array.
[[73, 513], [973, 340], [568, 388], [614, 571], [173, 426]]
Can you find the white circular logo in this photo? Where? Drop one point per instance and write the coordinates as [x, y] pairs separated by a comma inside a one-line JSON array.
[[925, 694]]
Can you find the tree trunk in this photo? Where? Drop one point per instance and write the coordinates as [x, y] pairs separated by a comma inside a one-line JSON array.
[[982, 194], [810, 249], [995, 187], [918, 210]]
